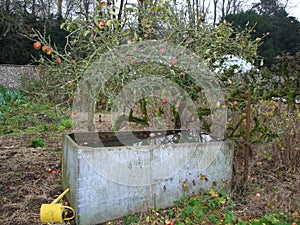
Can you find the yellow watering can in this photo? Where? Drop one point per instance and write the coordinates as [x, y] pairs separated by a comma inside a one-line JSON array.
[[55, 212]]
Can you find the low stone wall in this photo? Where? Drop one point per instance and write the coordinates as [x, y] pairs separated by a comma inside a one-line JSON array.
[[14, 76]]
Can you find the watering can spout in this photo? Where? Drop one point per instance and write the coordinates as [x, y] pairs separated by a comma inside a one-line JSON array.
[[60, 196]]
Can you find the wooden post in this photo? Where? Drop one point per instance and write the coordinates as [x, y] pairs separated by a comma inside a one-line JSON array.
[[247, 144]]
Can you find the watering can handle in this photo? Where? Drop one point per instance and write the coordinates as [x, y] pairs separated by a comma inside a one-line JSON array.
[[69, 218], [66, 207]]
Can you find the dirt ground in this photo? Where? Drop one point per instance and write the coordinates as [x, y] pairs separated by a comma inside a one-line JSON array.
[[25, 182]]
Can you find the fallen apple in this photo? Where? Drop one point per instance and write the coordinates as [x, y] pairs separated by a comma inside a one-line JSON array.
[[152, 135], [173, 62], [164, 101], [161, 50], [69, 84], [70, 100], [67, 203]]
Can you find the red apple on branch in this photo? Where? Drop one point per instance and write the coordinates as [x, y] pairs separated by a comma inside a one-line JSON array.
[[50, 52], [101, 24], [37, 45], [235, 103], [45, 48], [58, 60]]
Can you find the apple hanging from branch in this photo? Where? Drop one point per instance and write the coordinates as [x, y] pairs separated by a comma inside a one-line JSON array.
[[37, 45]]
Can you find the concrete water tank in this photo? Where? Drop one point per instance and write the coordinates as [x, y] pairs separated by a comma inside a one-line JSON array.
[[108, 179]]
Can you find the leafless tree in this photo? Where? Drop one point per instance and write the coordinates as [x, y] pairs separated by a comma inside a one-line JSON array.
[[59, 8], [197, 11], [231, 7], [7, 5], [215, 5], [122, 5]]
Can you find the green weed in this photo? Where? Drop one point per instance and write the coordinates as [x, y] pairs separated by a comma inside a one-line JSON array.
[[133, 219], [37, 142], [208, 207]]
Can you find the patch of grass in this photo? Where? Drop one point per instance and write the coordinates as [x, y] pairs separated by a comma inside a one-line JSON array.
[[19, 114], [18, 173], [133, 219], [67, 123], [208, 207], [37, 142], [277, 218]]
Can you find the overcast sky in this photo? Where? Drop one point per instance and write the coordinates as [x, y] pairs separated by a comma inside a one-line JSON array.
[[294, 8]]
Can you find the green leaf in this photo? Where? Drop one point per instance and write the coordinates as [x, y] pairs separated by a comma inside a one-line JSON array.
[[171, 212], [86, 33]]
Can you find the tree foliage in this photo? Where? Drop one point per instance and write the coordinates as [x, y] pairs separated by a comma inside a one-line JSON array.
[[286, 78], [158, 20], [18, 18], [283, 32], [88, 39]]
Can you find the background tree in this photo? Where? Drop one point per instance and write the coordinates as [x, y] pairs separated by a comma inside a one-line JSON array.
[[215, 5], [44, 15], [283, 32], [17, 19], [268, 7], [285, 82]]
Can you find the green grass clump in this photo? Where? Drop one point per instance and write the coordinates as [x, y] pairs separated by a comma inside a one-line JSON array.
[[20, 114], [37, 142], [208, 207]]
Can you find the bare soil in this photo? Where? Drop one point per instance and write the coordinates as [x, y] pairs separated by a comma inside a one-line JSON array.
[[25, 182]]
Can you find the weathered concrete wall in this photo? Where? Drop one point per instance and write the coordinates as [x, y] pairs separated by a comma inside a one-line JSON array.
[[14, 76], [114, 181]]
